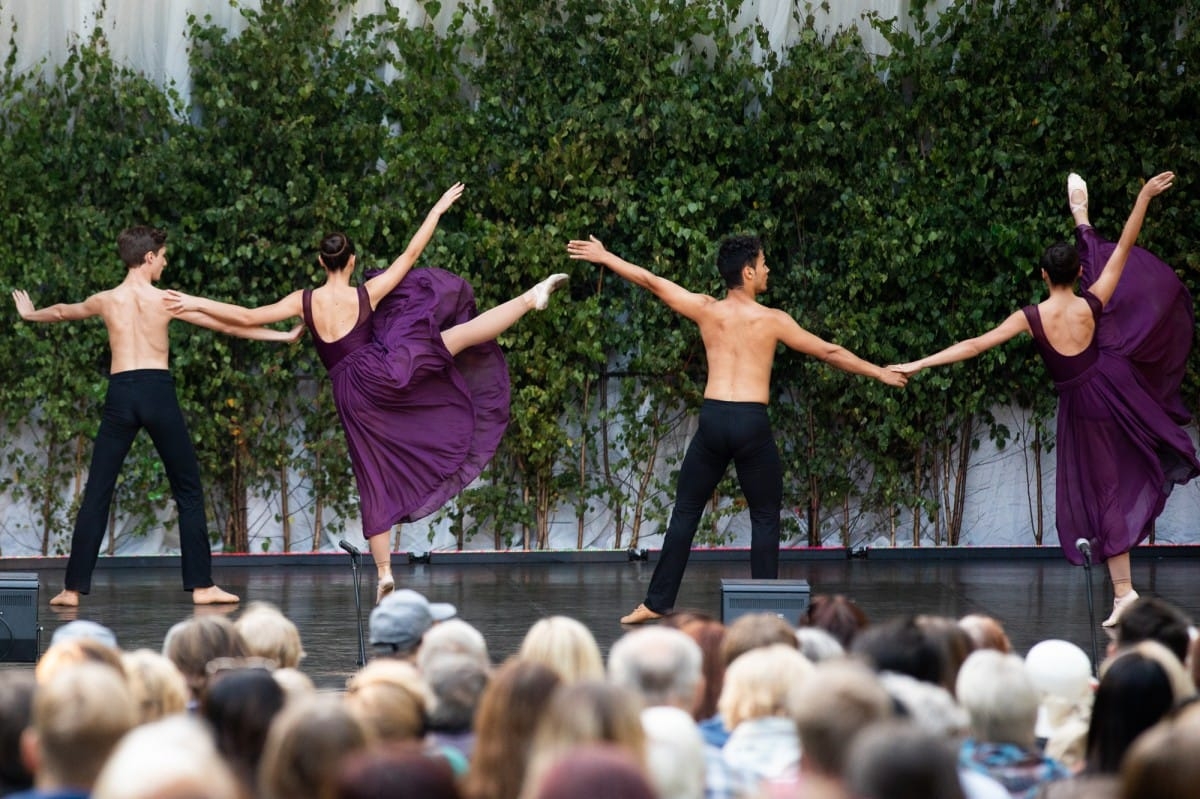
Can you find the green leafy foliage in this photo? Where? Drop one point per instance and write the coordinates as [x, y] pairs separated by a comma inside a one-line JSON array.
[[903, 198]]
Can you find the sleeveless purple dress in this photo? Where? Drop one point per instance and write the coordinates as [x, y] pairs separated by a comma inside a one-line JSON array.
[[1120, 446], [420, 424]]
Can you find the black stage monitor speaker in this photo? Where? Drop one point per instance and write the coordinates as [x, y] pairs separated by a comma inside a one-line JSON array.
[[786, 598], [18, 617]]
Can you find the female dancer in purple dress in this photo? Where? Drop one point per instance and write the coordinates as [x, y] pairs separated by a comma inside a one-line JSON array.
[[420, 385], [1120, 444]]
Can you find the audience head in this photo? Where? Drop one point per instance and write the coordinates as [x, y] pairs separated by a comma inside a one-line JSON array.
[[595, 771], [172, 758], [1149, 618], [195, 641], [755, 686], [158, 688], [565, 645], [1164, 762], [985, 632], [391, 699], [837, 615], [897, 760], [397, 770], [240, 705], [16, 710], [818, 645], [269, 634], [999, 697], [304, 748], [930, 707], [754, 631], [85, 628], [295, 683], [456, 637], [710, 635], [674, 752], [952, 644], [1134, 694], [456, 683], [79, 715], [833, 705], [71, 652], [900, 646], [661, 665], [510, 709], [399, 622]]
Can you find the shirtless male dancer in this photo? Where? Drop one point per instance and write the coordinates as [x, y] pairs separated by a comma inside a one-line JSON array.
[[740, 338], [141, 393]]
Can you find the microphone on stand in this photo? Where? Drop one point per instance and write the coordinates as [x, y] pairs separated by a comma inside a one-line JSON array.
[[354, 557], [1085, 548], [1082, 544]]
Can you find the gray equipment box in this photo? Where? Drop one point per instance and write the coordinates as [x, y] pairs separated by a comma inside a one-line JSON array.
[[18, 617], [785, 598]]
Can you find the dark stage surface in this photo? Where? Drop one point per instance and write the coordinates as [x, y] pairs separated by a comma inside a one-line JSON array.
[[1036, 593]]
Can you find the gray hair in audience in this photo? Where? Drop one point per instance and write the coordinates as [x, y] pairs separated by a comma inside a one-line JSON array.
[[818, 644], [674, 753], [837, 701], [452, 637], [999, 696], [898, 760], [456, 682], [662, 665]]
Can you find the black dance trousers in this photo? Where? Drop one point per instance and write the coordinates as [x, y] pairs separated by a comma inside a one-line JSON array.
[[728, 431], [141, 398]]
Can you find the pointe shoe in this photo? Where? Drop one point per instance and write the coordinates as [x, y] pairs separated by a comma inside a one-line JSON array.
[[1076, 184], [640, 615], [1119, 605], [386, 586], [543, 290]]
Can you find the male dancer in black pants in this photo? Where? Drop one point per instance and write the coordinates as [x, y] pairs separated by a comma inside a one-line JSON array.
[[141, 393], [740, 337]]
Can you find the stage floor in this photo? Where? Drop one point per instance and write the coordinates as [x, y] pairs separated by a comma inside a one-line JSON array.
[[1036, 597]]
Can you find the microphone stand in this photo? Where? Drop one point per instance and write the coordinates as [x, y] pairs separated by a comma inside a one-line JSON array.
[[1086, 551], [355, 556]]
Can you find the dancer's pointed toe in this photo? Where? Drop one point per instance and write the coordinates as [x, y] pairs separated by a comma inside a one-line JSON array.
[[1077, 195], [1119, 605], [543, 290]]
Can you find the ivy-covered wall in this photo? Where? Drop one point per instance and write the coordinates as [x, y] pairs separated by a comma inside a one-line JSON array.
[[903, 200]]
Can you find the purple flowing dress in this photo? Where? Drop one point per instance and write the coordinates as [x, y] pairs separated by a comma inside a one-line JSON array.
[[1121, 447], [420, 424]]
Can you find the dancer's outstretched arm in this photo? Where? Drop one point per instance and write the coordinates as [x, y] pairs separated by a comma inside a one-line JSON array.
[[677, 298], [381, 285], [289, 307], [59, 312], [1106, 283], [1015, 324], [254, 333]]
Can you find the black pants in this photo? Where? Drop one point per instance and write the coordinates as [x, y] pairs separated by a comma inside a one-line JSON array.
[[136, 399], [729, 431]]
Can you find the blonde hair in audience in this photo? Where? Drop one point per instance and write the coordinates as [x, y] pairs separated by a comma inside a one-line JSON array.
[[565, 645], [762, 682], [158, 688], [172, 758], [268, 633]]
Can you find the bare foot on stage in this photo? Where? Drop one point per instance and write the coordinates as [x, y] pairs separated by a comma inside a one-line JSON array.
[[213, 595], [66, 599]]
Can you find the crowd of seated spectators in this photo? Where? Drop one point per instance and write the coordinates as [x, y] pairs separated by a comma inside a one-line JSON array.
[[827, 706]]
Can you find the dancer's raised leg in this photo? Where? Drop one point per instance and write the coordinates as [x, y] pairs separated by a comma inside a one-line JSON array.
[[494, 321], [381, 553]]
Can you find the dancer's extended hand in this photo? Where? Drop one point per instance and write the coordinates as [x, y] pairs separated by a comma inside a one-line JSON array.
[[907, 369], [1158, 184], [590, 250], [447, 199], [24, 304], [177, 302], [295, 333], [893, 377]]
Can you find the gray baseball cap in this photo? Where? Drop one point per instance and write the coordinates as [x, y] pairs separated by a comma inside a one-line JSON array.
[[403, 617]]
